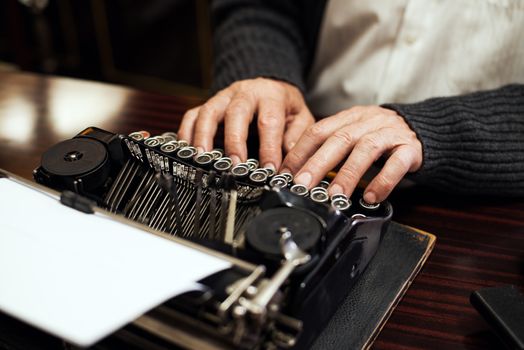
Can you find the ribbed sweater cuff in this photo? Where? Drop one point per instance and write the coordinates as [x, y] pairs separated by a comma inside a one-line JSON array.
[[246, 49], [471, 143]]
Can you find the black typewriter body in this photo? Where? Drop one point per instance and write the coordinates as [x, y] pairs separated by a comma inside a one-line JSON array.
[[299, 251]]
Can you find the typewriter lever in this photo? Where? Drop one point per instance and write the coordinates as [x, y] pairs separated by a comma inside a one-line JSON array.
[[294, 256]]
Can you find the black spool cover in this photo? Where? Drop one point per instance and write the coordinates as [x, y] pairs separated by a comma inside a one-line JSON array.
[[264, 232], [78, 158]]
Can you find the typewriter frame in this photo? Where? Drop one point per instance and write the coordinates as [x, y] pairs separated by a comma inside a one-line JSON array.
[[238, 319]]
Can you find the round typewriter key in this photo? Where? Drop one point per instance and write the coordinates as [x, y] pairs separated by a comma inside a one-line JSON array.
[[139, 135], [278, 181], [258, 176], [339, 195], [324, 184], [301, 190], [288, 176], [265, 230], [204, 158], [154, 141], [217, 153], [368, 206], [172, 136], [240, 170], [169, 147], [183, 143], [341, 203], [319, 196], [223, 164], [253, 163], [186, 153], [270, 172]]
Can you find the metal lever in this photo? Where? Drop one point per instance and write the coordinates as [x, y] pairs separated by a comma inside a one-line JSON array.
[[294, 257]]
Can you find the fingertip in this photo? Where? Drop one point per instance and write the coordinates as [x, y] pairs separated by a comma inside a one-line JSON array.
[[235, 159], [370, 197]]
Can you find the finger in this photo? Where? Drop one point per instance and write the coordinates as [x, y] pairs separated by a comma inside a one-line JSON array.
[[397, 165], [366, 151], [332, 152], [296, 127], [271, 124], [238, 116], [209, 115], [312, 138], [185, 131]]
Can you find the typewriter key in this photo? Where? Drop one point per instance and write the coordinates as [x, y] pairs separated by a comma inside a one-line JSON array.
[[258, 176], [139, 135], [183, 143], [288, 176], [169, 147], [339, 195], [223, 164], [265, 230], [278, 181], [217, 153], [270, 172], [240, 170], [301, 190], [358, 216], [319, 196], [155, 141], [253, 163], [368, 206], [170, 136], [186, 153], [204, 158], [324, 184], [341, 203]]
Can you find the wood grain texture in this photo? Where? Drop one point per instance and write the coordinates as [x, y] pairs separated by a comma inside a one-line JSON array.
[[480, 241]]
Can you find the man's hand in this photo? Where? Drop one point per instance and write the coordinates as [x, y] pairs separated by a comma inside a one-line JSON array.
[[360, 135], [282, 118]]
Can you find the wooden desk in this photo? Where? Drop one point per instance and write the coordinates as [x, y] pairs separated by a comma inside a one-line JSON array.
[[480, 242]]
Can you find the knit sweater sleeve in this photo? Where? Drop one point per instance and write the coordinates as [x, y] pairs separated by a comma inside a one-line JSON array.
[[472, 144], [257, 39]]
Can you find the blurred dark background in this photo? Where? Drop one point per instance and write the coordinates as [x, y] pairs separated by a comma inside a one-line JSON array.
[[156, 45]]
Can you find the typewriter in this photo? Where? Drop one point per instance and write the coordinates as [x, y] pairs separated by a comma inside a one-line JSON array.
[[295, 252]]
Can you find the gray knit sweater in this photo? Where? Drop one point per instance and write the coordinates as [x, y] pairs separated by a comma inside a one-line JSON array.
[[473, 144]]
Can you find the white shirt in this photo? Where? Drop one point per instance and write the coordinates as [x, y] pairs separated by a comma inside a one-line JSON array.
[[378, 51]]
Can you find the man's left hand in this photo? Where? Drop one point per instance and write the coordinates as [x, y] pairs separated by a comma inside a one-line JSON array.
[[360, 136]]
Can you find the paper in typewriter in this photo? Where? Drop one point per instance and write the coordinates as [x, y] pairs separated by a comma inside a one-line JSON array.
[[82, 276]]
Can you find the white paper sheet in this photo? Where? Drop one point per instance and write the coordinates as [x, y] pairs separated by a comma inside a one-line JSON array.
[[82, 276]]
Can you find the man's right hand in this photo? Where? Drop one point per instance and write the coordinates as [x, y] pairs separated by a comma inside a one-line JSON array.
[[282, 117]]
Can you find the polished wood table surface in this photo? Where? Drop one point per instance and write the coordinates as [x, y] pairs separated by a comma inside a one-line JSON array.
[[480, 241]]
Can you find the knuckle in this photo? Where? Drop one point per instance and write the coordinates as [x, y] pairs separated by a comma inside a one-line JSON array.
[[268, 121], [208, 110], [315, 131], [347, 174], [343, 137], [370, 143], [384, 183]]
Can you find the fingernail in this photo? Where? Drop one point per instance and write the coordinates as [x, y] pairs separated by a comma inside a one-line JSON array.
[[200, 149], [285, 170], [304, 179], [370, 197], [235, 159], [270, 166], [335, 189]]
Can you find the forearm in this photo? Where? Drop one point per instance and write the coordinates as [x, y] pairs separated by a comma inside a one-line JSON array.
[[472, 144], [258, 39]]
